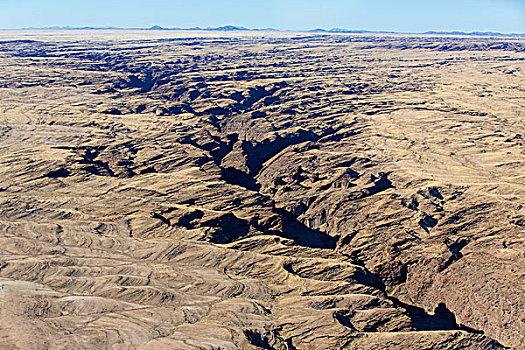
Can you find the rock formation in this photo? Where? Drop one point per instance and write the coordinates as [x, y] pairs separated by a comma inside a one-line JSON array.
[[280, 191]]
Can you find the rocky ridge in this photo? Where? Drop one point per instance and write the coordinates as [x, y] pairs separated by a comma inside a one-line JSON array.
[[303, 192]]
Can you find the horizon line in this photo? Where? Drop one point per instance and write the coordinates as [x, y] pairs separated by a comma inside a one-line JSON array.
[[242, 28]]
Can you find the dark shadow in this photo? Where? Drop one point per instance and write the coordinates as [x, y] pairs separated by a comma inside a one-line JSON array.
[[224, 148], [188, 220], [228, 228], [427, 222], [379, 185], [236, 177], [58, 173], [435, 193], [148, 170], [442, 320], [302, 234], [343, 317], [161, 218], [257, 339], [455, 248], [382, 184]]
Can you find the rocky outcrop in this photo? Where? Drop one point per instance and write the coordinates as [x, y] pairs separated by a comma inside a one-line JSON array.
[[272, 192]]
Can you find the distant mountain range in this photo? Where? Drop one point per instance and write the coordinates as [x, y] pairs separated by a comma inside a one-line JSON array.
[[228, 28], [225, 28], [476, 33], [341, 30]]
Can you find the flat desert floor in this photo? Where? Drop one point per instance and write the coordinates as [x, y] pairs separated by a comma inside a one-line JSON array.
[[261, 190]]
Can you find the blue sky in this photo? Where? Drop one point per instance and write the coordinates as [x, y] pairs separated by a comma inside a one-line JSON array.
[[404, 15]]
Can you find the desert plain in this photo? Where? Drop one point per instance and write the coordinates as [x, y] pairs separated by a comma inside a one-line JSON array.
[[261, 190]]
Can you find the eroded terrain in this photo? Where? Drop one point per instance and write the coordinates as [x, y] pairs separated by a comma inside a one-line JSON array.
[[262, 192]]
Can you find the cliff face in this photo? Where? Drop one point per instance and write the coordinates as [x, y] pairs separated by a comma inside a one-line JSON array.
[[274, 192]]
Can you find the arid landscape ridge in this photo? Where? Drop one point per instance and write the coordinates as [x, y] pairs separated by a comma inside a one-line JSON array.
[[261, 190]]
